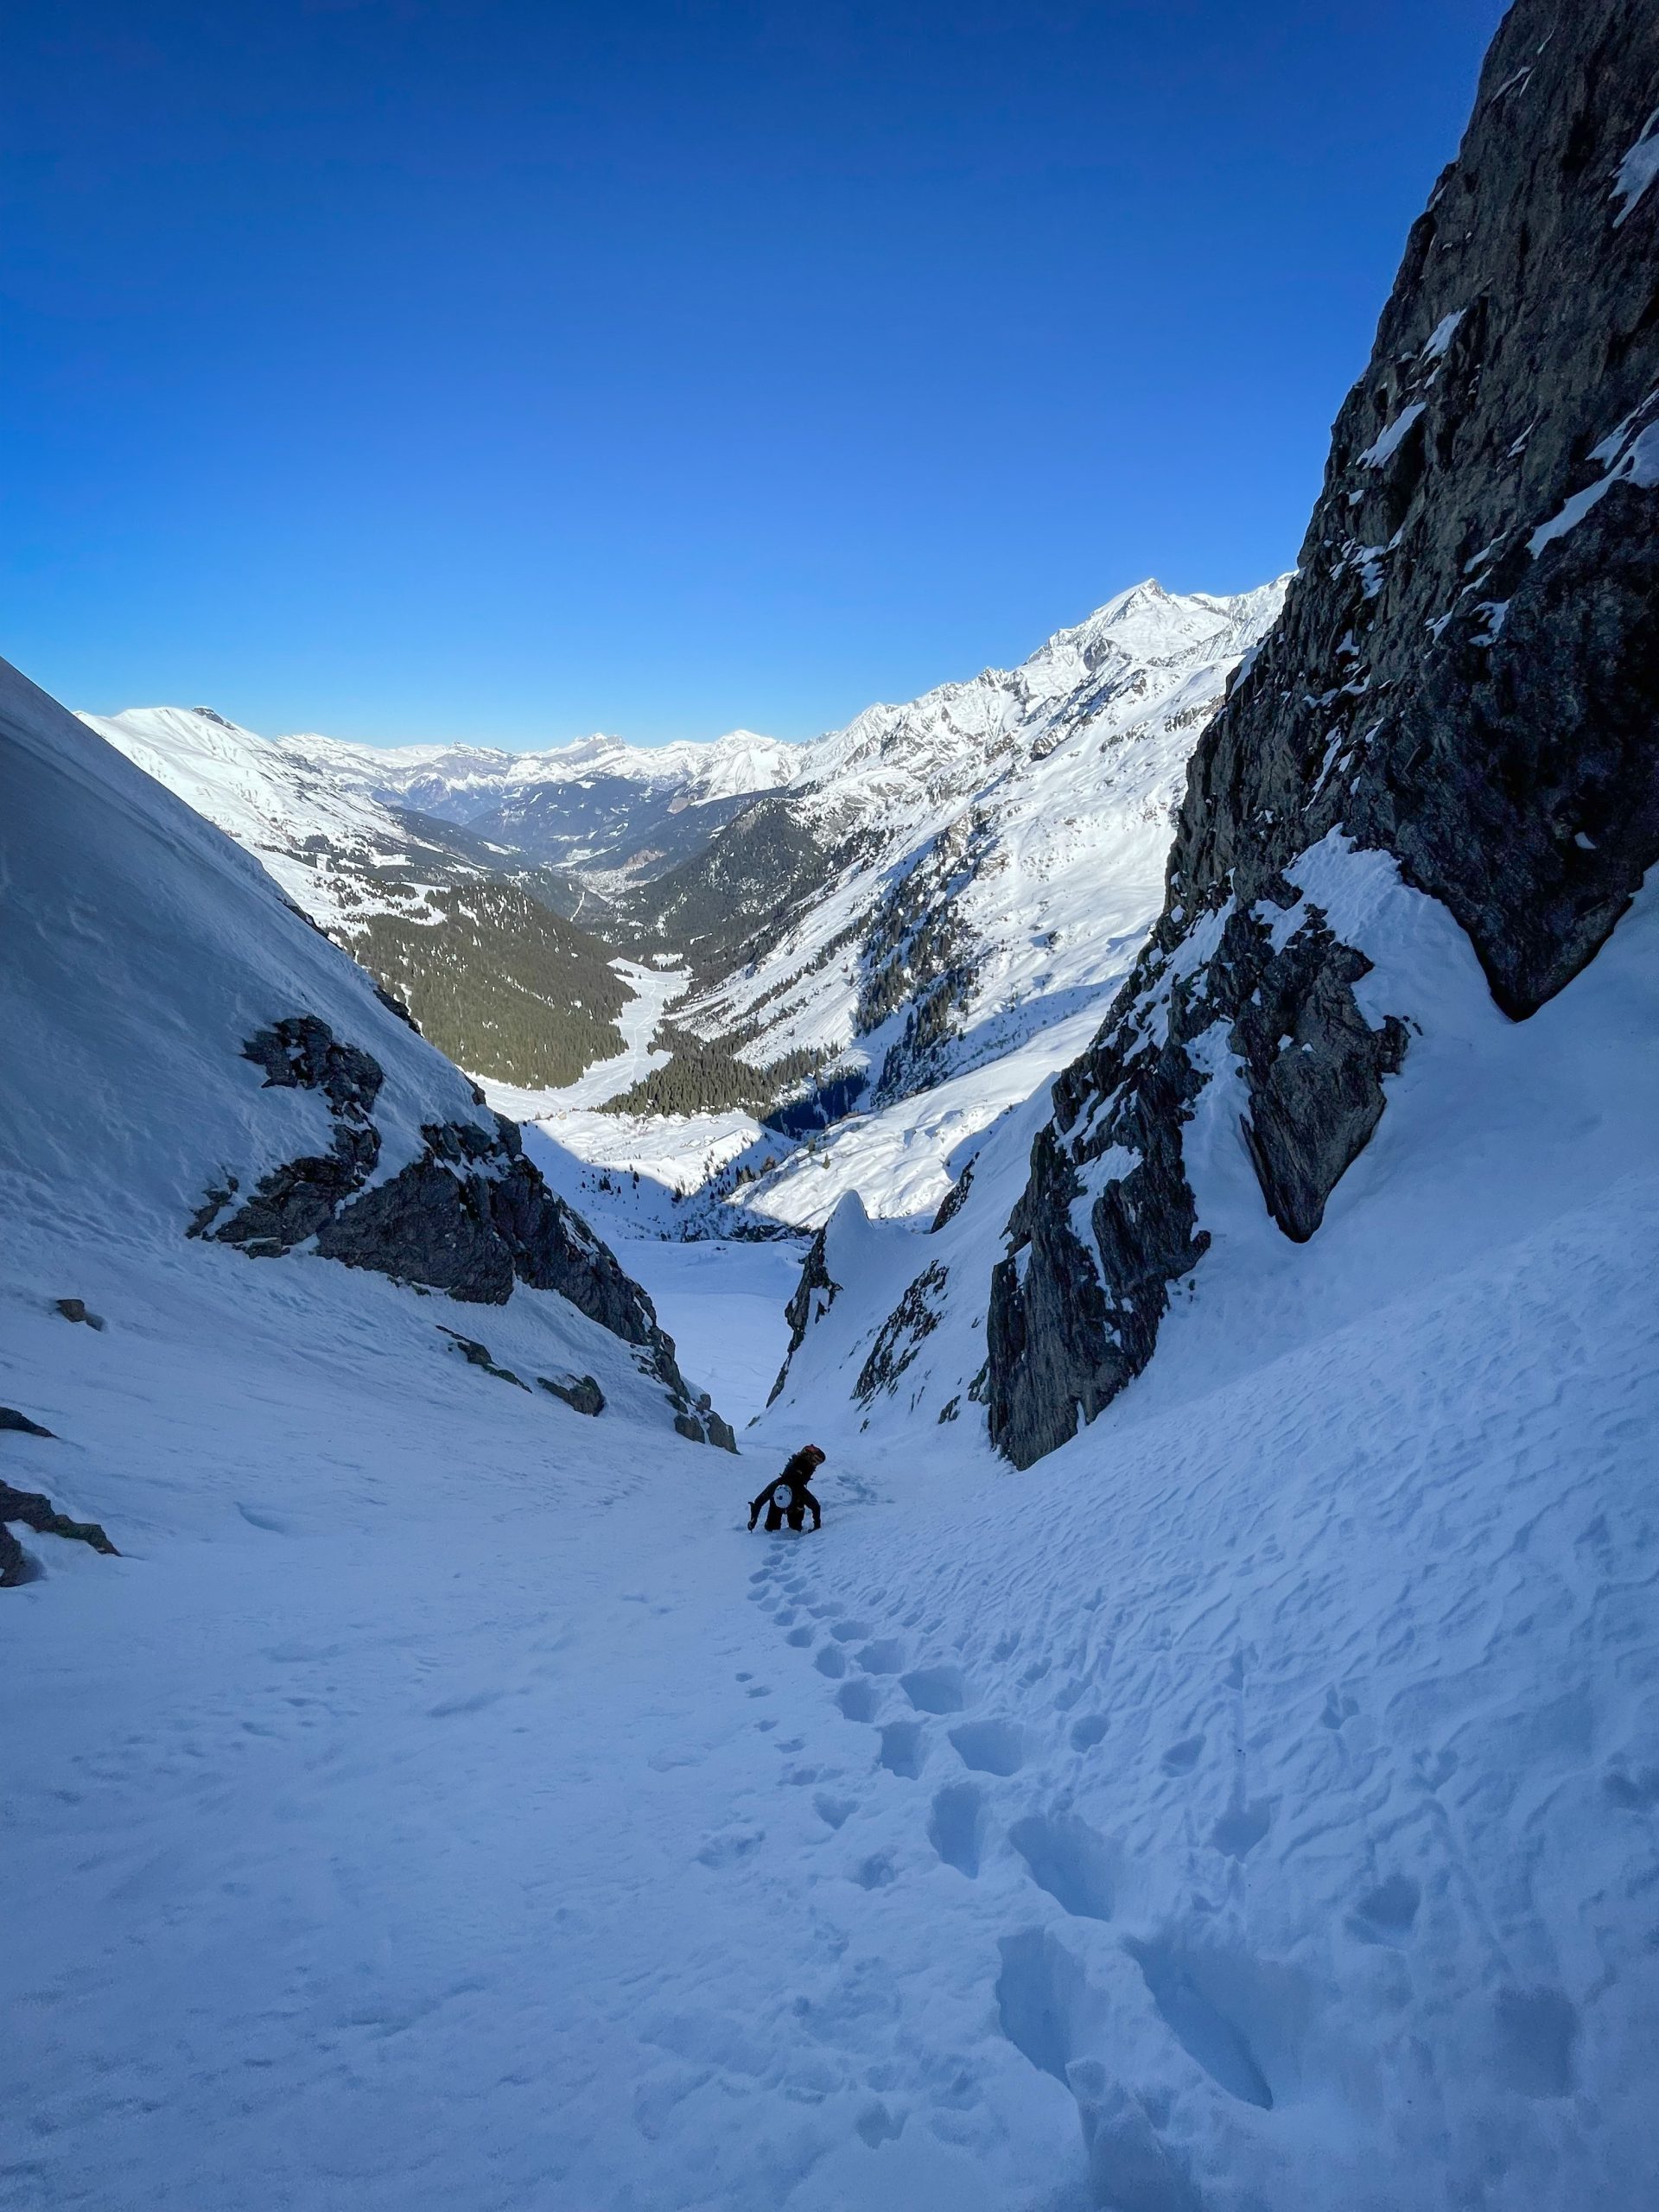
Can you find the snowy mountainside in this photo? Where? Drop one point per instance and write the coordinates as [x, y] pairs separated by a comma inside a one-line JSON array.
[[1009, 833], [1001, 848], [458, 929], [198, 1080], [1292, 1710], [322, 839]]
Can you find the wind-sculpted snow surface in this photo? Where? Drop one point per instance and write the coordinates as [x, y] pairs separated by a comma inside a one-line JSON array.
[[1465, 677]]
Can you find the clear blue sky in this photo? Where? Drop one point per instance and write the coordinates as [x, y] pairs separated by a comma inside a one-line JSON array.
[[505, 369]]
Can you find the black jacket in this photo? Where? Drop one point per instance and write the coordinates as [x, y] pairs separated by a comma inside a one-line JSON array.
[[788, 1498]]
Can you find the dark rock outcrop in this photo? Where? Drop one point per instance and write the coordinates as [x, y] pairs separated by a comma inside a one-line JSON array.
[[10, 1418], [953, 1199], [297, 1200], [580, 1392], [903, 1333], [302, 1054], [814, 1294], [1466, 676], [74, 1309], [719, 1432], [38, 1512], [470, 1216], [1313, 1069], [478, 1355], [1457, 678], [426, 1224]]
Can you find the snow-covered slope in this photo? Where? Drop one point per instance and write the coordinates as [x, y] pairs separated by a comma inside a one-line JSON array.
[[457, 928], [1283, 1771], [1250, 1805], [195, 1078], [325, 839]]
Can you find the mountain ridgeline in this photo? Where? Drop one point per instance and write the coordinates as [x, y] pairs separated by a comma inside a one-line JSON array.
[[859, 916], [1465, 679]]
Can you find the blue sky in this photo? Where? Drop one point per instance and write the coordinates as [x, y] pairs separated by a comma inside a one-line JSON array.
[[503, 372]]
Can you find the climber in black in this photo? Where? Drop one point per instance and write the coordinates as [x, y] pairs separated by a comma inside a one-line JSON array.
[[789, 1498]]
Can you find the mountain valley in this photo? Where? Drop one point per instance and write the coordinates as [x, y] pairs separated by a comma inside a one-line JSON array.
[[1172, 1122]]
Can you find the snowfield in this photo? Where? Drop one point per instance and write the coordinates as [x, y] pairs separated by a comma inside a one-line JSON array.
[[442, 1801]]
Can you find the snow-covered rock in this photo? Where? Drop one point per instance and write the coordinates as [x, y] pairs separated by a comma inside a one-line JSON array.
[[1454, 696]]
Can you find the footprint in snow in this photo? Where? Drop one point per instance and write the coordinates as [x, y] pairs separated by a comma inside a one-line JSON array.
[[475, 1703], [1064, 1856], [1635, 1791], [257, 1517], [1217, 2005], [1241, 1827], [1537, 2033], [1182, 1758], [877, 2125], [730, 1846], [858, 1699], [990, 1746], [955, 1828], [1387, 1915], [1044, 2004], [935, 1689], [904, 1747]]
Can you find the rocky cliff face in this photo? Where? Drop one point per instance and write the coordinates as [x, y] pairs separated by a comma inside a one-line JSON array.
[[1466, 676], [471, 1216]]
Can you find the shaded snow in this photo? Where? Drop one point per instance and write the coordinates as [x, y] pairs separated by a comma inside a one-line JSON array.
[[1628, 458], [1637, 169]]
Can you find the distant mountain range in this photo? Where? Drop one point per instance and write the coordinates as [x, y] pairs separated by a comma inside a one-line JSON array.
[[598, 807], [916, 894]]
